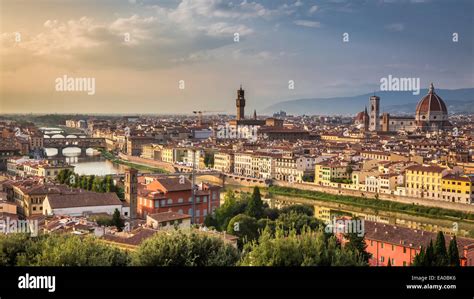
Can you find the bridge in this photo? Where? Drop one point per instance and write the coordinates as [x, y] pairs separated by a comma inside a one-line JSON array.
[[64, 135], [82, 143]]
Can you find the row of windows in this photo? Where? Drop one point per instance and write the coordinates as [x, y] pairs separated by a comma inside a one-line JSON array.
[[393, 246], [457, 191]]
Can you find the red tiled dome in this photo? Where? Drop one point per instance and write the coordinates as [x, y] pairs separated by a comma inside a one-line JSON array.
[[431, 103]]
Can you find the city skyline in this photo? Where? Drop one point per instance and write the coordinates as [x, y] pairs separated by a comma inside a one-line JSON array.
[[138, 51]]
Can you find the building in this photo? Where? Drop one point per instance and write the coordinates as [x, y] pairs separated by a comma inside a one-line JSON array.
[[224, 161], [458, 188], [431, 112], [82, 204], [401, 245], [292, 168], [327, 172], [168, 220], [374, 113], [131, 190], [243, 164], [240, 120], [135, 144], [424, 181], [164, 194]]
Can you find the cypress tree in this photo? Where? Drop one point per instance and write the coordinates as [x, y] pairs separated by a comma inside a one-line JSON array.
[[255, 205], [441, 255], [453, 253], [419, 258], [429, 258]]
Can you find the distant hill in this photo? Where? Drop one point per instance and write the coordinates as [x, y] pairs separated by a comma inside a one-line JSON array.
[[394, 102]]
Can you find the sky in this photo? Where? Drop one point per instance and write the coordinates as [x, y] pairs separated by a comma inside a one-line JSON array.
[[140, 52]]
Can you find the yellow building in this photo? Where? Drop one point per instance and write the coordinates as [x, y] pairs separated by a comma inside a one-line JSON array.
[[424, 181], [327, 172], [224, 161], [458, 188]]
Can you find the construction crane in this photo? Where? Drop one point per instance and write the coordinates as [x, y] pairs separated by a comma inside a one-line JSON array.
[[199, 114]]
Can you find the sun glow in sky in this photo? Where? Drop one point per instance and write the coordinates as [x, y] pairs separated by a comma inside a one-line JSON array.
[[138, 51]]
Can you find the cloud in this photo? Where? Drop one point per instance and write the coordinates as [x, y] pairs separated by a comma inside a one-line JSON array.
[[395, 27], [306, 23], [313, 9]]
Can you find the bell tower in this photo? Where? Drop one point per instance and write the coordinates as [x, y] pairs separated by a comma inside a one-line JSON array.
[[374, 113], [240, 103], [131, 183]]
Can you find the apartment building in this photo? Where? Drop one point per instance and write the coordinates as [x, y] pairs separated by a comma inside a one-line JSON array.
[[224, 161], [424, 181], [458, 188]]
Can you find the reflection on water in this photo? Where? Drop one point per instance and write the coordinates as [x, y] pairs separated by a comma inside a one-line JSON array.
[[95, 165], [92, 163]]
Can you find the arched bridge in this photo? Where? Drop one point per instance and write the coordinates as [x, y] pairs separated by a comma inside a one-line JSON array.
[[82, 143]]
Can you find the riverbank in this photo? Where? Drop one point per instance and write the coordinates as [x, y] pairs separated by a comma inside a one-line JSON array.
[[109, 156]]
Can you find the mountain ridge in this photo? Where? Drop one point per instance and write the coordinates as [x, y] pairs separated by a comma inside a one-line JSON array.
[[395, 102]]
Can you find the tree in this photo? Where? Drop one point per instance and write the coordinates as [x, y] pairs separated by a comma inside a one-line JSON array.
[[429, 257], [255, 204], [96, 184], [178, 248], [13, 246], [440, 253], [117, 221], [244, 227], [301, 209], [358, 245], [109, 184], [296, 221], [71, 250], [271, 213], [419, 258], [311, 248], [453, 252], [230, 208]]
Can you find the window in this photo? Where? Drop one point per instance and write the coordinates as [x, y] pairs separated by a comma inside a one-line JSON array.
[[180, 200], [180, 211], [170, 201], [404, 264], [198, 213], [393, 248], [204, 212], [404, 250], [382, 259], [204, 199], [190, 211], [381, 245], [163, 202], [198, 199], [190, 199], [157, 203]]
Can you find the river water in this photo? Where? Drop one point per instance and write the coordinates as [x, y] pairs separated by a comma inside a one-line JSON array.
[[91, 164]]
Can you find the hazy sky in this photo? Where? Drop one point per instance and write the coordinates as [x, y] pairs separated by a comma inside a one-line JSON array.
[[193, 40]]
